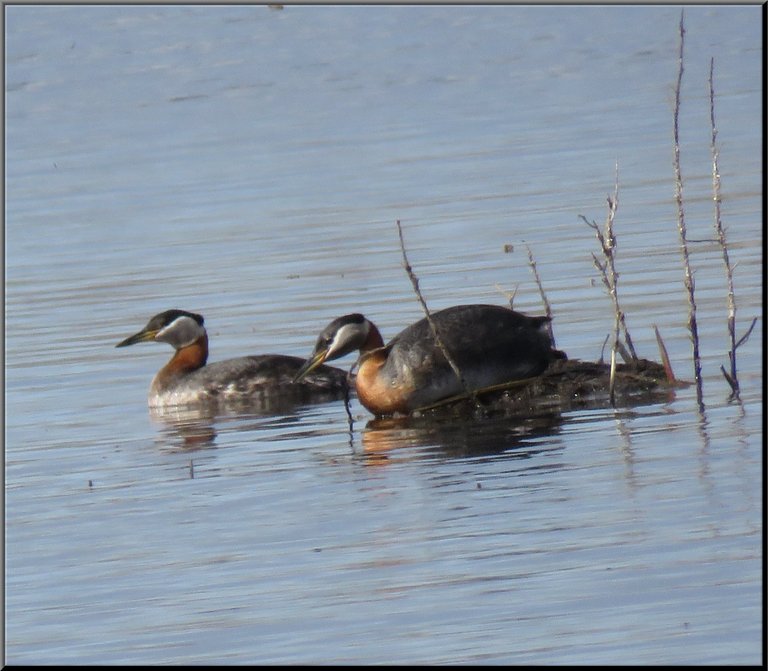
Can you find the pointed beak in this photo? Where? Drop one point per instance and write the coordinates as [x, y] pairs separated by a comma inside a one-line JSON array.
[[142, 336], [310, 364]]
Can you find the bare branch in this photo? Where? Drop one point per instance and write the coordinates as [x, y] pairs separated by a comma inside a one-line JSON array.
[[438, 340]]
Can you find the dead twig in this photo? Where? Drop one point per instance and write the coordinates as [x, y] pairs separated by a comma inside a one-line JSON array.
[[688, 274], [547, 307], [730, 376], [432, 325], [509, 295], [347, 404], [607, 268]]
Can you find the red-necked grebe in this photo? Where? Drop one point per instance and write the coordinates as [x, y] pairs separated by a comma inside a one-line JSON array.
[[186, 379], [490, 344]]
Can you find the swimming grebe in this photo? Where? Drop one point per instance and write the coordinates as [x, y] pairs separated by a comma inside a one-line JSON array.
[[490, 345], [186, 379]]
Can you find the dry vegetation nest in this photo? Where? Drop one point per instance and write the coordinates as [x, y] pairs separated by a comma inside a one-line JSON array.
[[568, 385]]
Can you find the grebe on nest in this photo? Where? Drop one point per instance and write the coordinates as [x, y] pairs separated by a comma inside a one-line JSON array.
[[186, 379], [490, 344]]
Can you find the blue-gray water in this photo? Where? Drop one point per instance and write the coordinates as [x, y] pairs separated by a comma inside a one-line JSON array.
[[250, 164]]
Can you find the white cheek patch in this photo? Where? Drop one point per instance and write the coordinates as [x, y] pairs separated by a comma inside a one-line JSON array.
[[348, 338], [181, 332]]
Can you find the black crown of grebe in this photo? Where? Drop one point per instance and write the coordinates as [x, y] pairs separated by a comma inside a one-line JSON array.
[[186, 379], [490, 344]]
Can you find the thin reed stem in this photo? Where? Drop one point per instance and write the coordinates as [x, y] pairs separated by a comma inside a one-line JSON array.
[[688, 280], [730, 376]]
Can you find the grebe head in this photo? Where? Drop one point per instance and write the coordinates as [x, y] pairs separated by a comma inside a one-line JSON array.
[[176, 327], [342, 336]]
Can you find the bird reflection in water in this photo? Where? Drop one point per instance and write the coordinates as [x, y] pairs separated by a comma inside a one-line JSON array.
[[459, 437], [197, 426]]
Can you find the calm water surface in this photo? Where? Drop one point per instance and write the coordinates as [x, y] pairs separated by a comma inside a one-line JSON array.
[[250, 164]]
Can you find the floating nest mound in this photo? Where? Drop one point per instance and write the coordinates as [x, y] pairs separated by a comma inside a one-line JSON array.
[[568, 385]]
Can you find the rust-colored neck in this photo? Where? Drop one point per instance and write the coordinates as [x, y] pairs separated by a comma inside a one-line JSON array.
[[184, 361], [375, 390], [373, 341]]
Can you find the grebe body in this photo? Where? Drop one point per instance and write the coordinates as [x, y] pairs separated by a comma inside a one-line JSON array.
[[490, 344], [187, 380]]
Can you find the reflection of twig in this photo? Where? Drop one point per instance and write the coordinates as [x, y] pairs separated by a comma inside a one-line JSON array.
[[731, 376], [688, 278], [415, 283], [547, 308]]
